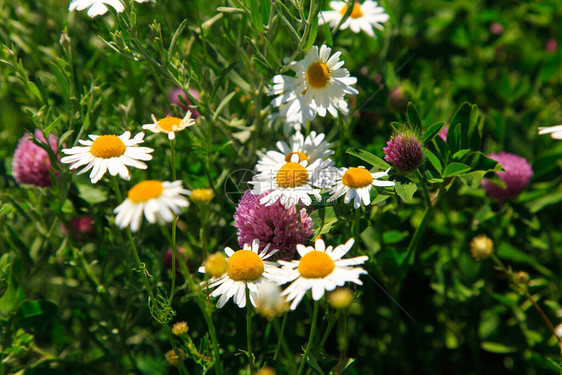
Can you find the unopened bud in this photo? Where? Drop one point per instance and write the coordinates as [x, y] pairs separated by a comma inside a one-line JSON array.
[[216, 265], [522, 277], [481, 247], [173, 358], [202, 195], [340, 298], [266, 371], [180, 328]]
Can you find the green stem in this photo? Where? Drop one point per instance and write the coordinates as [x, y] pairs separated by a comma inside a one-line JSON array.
[[203, 210], [280, 339], [410, 252], [310, 338], [423, 183], [173, 152], [174, 257], [357, 228], [249, 331], [527, 295], [328, 329]]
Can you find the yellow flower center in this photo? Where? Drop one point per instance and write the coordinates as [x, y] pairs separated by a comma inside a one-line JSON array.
[[316, 265], [245, 265], [318, 75], [355, 13], [145, 190], [107, 146], [300, 154], [292, 175], [216, 265], [357, 178], [168, 123]]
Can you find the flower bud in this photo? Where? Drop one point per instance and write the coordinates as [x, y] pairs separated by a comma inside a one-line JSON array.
[[404, 150], [180, 328], [340, 298], [216, 265], [202, 195], [266, 371], [173, 358], [481, 247], [522, 277]]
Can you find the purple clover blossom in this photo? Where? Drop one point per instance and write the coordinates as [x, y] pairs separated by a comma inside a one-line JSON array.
[[518, 173], [404, 151], [273, 225], [30, 164], [174, 98]]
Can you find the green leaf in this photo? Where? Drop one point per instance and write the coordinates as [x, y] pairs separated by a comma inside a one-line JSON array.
[[256, 16], [313, 33], [311, 361], [464, 118], [414, 117], [434, 160], [405, 191], [496, 347], [432, 131], [366, 156], [34, 90], [324, 219], [455, 169], [327, 34], [36, 315], [459, 155], [506, 251], [394, 236], [91, 194]]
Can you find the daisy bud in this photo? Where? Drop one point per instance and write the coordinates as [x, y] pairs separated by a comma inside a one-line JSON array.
[[340, 298], [202, 195], [516, 176], [173, 358], [522, 277], [481, 247], [404, 150], [266, 371], [180, 328], [30, 164], [216, 265]]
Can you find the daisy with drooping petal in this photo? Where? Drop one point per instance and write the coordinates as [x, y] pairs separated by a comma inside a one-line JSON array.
[[356, 184], [311, 148], [554, 131], [246, 268], [157, 200], [170, 125], [290, 183], [320, 269], [108, 152], [364, 16], [98, 7], [320, 85]]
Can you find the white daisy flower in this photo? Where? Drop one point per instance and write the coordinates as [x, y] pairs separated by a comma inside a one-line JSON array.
[[311, 148], [108, 152], [246, 268], [554, 131], [98, 7], [170, 125], [158, 200], [363, 16], [290, 183], [320, 85], [320, 269], [356, 184]]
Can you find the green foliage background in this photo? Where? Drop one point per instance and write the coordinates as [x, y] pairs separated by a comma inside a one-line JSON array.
[[74, 305]]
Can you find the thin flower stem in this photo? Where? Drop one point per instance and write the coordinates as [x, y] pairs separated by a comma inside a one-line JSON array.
[[328, 329], [410, 252], [310, 338], [204, 221], [173, 152], [249, 331], [141, 267], [357, 228], [174, 257], [280, 339], [525, 292]]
